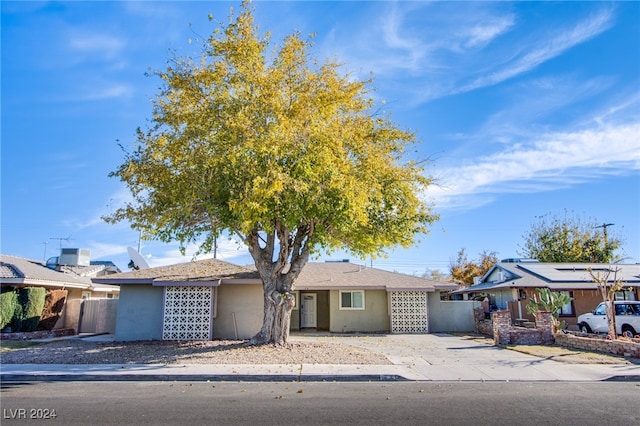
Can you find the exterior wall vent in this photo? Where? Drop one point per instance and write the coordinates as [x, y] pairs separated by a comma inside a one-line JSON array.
[[74, 257]]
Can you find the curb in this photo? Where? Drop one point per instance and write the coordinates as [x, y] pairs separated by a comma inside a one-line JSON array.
[[12, 378]]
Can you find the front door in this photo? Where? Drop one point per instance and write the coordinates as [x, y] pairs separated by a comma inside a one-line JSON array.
[[308, 308]]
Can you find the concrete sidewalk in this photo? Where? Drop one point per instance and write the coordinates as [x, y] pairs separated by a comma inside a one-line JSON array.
[[431, 357]]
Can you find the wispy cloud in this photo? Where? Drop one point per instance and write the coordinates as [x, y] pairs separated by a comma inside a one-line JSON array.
[[103, 46], [483, 33], [546, 50], [106, 91], [549, 161], [449, 51]]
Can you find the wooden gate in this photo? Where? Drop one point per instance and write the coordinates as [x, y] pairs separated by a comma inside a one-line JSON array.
[[98, 316]]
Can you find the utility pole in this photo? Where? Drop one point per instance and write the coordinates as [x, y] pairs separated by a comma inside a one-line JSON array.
[[604, 227]]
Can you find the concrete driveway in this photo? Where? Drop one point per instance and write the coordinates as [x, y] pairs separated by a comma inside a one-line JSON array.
[[447, 357]]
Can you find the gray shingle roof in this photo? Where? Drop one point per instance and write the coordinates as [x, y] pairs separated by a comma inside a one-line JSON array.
[[18, 270], [555, 276], [200, 270], [314, 276], [339, 275]]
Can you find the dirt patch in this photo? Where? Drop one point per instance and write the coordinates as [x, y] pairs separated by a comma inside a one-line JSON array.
[[78, 351], [571, 356], [558, 353]]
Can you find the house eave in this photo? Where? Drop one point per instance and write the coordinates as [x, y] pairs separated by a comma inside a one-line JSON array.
[[42, 283], [181, 283]]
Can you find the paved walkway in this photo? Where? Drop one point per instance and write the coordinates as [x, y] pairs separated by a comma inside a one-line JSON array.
[[431, 357]]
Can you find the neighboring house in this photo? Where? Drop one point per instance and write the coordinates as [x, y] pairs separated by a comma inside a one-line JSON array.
[[511, 283], [210, 298], [76, 279]]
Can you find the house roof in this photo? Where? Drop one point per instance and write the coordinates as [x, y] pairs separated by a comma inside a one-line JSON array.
[[199, 271], [344, 275], [555, 276], [20, 271], [314, 276]]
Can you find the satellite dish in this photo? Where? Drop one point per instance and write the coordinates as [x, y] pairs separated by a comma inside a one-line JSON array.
[[137, 261]]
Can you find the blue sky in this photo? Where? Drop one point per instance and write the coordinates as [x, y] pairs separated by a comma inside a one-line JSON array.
[[526, 108]]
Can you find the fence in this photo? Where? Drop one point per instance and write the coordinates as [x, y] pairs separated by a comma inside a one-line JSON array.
[[98, 316]]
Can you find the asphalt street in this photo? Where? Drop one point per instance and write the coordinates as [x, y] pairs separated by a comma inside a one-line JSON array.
[[277, 403]]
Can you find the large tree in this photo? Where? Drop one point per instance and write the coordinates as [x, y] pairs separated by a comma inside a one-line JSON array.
[[569, 239], [463, 270], [287, 153]]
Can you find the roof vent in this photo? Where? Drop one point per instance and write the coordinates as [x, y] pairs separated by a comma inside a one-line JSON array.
[[74, 257]]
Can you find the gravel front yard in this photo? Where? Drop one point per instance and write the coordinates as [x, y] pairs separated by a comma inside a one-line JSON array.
[[77, 351]]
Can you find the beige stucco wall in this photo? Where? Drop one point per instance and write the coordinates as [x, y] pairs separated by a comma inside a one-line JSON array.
[[374, 318], [246, 302]]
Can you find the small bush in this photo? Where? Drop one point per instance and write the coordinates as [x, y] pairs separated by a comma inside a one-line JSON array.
[[32, 302], [8, 303]]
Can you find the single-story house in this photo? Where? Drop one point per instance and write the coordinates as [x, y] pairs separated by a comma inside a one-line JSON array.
[[19, 272], [207, 299], [511, 283]]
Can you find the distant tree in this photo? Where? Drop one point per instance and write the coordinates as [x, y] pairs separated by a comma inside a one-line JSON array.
[[569, 239], [435, 275], [463, 270], [285, 152]]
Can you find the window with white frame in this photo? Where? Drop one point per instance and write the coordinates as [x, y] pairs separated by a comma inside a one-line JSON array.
[[352, 299]]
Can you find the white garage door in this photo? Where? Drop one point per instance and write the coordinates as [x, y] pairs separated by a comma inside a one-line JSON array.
[[187, 313], [409, 312]]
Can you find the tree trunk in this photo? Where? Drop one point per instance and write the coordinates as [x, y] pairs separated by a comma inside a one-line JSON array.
[[278, 277], [276, 320], [611, 320]]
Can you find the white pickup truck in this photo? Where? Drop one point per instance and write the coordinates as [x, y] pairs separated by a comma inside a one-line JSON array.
[[627, 319]]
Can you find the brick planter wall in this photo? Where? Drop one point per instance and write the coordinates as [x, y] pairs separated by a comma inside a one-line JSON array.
[[506, 334], [527, 336], [597, 344], [482, 325]]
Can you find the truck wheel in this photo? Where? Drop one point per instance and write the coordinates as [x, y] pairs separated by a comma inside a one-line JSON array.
[[628, 331], [584, 328]]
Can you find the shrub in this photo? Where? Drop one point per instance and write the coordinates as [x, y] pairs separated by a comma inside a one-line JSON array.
[[8, 303], [32, 302]]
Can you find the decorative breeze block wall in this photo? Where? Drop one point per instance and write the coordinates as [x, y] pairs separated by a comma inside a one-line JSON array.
[[409, 312], [187, 313]]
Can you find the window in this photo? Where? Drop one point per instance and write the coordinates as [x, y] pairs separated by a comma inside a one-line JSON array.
[[625, 295], [352, 299], [567, 310]]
